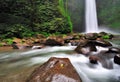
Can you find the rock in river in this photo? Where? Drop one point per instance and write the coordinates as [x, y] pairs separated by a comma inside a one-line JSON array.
[[85, 47], [55, 70], [53, 42], [117, 59]]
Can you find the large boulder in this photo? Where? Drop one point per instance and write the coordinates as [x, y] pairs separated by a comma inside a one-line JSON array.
[[73, 38], [101, 42], [68, 38], [114, 50], [105, 35], [55, 70], [94, 59], [104, 57], [74, 42], [91, 36], [85, 47], [53, 42], [109, 53], [105, 62], [117, 59], [88, 46]]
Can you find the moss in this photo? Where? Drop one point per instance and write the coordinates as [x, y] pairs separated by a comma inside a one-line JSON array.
[[9, 41], [106, 37], [1, 44], [65, 13]]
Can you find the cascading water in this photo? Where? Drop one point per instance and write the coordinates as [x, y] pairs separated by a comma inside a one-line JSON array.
[[91, 16], [13, 64]]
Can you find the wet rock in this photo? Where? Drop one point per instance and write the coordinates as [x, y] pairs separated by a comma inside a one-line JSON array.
[[55, 70], [20, 46], [53, 42], [116, 37], [74, 42], [36, 41], [102, 33], [85, 50], [105, 59], [85, 47], [110, 53], [91, 36], [105, 35], [117, 59], [42, 41], [68, 38], [15, 46], [94, 59], [28, 40], [39, 41], [72, 37], [113, 50], [102, 43], [37, 47], [77, 36], [111, 36]]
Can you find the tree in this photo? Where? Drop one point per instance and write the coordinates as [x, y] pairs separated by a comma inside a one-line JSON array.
[[34, 15]]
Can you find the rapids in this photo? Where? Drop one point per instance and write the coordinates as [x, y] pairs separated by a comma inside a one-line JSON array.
[[16, 65]]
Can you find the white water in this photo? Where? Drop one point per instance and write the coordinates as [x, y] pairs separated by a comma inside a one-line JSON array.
[[88, 72], [91, 16]]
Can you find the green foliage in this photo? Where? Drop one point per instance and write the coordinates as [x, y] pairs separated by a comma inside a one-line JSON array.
[[9, 41], [17, 30], [1, 44], [106, 37], [25, 18], [65, 12], [62, 8], [45, 34]]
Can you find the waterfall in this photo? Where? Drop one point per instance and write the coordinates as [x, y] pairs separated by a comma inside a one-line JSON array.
[[91, 16]]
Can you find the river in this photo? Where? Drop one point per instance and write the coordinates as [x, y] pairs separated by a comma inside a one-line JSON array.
[[17, 65]]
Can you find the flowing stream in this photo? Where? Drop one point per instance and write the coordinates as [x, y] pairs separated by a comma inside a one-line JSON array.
[[16, 65], [91, 16]]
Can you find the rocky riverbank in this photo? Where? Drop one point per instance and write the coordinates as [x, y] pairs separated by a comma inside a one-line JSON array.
[[40, 41]]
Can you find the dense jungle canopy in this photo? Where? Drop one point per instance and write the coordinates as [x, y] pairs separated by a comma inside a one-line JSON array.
[[21, 18]]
